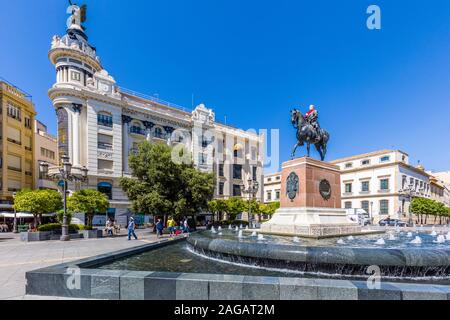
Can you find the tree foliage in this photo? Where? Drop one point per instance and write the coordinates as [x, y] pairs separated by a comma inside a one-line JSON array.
[[428, 207], [162, 186], [89, 202], [235, 206], [38, 202]]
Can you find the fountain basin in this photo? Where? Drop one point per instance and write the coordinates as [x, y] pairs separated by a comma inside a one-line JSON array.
[[139, 274], [398, 263]]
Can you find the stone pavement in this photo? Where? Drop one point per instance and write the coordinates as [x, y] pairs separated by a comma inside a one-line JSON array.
[[17, 257]]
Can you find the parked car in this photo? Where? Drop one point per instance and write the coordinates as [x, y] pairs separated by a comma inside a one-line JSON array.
[[358, 215], [392, 223]]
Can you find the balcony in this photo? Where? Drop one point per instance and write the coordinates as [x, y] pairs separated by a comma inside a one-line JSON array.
[[15, 117], [137, 131], [15, 141], [105, 122], [105, 146], [161, 136]]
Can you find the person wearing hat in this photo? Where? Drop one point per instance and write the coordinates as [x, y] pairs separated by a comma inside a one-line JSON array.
[[131, 227]]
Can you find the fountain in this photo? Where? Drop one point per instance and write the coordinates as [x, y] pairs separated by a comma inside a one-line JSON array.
[[392, 237], [213, 230], [240, 234], [340, 241], [380, 241], [254, 234], [219, 228], [236, 229], [350, 238], [230, 227], [296, 239], [220, 234], [447, 236], [434, 233], [440, 239], [260, 237], [241, 227], [409, 234], [417, 240]]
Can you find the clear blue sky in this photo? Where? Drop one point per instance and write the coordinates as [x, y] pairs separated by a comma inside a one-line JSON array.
[[252, 61]]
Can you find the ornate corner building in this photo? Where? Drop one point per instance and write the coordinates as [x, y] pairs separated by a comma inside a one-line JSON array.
[[101, 124]]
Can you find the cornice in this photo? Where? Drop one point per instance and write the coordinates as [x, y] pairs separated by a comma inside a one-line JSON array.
[[55, 92]]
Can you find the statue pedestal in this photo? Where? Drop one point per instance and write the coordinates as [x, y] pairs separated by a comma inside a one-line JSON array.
[[310, 203]]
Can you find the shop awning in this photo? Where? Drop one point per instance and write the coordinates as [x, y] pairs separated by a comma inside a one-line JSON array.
[[22, 215]]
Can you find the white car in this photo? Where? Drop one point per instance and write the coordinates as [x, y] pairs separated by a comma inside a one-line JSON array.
[[358, 215]]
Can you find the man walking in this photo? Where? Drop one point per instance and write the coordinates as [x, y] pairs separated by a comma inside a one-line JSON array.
[[131, 227]]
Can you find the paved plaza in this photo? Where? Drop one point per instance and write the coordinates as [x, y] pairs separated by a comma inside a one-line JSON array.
[[17, 257]]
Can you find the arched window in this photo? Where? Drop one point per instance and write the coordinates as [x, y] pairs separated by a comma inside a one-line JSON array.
[[106, 188], [105, 119], [137, 128], [159, 133]]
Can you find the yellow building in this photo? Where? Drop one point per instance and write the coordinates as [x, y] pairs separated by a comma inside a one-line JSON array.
[[17, 143]]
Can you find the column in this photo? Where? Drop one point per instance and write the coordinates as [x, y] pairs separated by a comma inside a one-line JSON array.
[[169, 131], [125, 141], [148, 126], [76, 134]]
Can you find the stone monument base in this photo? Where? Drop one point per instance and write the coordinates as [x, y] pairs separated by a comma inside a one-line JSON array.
[[310, 222]]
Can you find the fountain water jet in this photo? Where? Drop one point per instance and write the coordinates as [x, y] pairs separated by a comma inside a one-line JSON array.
[[417, 240]]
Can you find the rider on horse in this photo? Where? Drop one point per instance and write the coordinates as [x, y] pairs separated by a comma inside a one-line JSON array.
[[312, 116]]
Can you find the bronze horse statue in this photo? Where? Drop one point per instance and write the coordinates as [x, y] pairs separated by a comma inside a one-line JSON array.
[[307, 133]]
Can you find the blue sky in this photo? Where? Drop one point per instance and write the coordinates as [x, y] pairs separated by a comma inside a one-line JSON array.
[[253, 61]]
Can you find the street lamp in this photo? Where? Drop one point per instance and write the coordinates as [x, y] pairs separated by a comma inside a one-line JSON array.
[[15, 226], [64, 173], [252, 190], [409, 192]]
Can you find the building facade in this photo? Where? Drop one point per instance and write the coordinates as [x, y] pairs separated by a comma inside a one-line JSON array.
[[46, 150], [17, 143], [443, 181], [101, 124], [272, 187], [377, 182]]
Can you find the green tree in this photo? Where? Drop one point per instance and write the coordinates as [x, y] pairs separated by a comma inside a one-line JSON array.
[[424, 207], [38, 202], [160, 186], [218, 208], [235, 206], [270, 208], [89, 202]]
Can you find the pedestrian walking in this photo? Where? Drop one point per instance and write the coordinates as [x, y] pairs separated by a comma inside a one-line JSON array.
[[186, 226], [131, 227], [171, 225], [159, 228]]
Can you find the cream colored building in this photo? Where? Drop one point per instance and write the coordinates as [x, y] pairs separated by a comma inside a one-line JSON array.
[[377, 182], [443, 180], [46, 150], [272, 187], [17, 143]]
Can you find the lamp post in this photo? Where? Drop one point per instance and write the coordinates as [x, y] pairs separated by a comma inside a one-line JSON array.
[[409, 192], [15, 226], [64, 173], [252, 190]]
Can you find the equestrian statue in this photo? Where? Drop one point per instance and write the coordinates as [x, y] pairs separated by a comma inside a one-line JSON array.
[[309, 132]]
